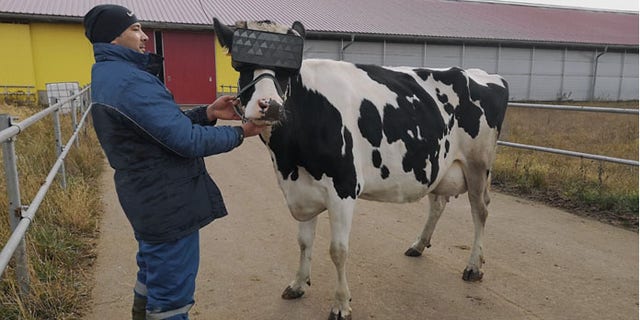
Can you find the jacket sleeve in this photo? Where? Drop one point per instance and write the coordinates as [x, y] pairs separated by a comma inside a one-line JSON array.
[[145, 100], [198, 115]]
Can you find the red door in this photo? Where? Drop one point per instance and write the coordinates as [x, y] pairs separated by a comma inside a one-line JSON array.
[[189, 69]]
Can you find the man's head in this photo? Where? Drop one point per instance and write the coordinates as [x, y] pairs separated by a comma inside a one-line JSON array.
[[109, 23]]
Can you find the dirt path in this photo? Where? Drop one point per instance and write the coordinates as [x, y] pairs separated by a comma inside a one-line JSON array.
[[542, 263]]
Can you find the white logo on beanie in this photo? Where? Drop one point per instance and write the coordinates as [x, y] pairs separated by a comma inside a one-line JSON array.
[[130, 14]]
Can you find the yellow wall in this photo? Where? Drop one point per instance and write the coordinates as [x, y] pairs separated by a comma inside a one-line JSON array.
[[61, 53], [41, 53], [225, 74], [16, 60]]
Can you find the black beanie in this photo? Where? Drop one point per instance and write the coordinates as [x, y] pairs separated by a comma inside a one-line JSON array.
[[106, 22]]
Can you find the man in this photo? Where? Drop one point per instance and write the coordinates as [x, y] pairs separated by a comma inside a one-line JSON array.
[[157, 152]]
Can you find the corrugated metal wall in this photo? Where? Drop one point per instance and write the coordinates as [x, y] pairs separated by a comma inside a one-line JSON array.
[[532, 73]]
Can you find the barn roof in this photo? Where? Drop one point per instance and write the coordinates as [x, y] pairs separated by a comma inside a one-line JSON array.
[[407, 19]]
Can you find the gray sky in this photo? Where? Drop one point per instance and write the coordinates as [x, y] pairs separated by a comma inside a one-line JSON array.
[[626, 5]]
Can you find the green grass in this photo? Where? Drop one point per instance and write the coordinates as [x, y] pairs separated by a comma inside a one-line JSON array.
[[603, 190], [61, 240]]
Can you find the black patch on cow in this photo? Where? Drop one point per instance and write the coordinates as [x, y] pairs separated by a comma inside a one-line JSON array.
[[446, 148], [417, 122], [384, 172], [467, 114], [442, 97], [376, 158], [313, 137], [370, 124], [493, 100]]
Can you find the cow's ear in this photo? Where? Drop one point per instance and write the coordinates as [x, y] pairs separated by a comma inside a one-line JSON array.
[[223, 33], [297, 26]]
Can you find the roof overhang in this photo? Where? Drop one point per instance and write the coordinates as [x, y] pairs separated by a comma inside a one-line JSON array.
[[324, 35]]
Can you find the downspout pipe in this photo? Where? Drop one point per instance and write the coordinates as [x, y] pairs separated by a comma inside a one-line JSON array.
[[344, 47], [595, 73]]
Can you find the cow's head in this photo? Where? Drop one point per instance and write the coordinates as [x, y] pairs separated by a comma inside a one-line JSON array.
[[267, 55]]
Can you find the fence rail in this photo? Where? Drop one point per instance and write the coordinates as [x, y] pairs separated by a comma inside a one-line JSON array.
[[21, 216], [574, 108], [228, 90], [567, 152]]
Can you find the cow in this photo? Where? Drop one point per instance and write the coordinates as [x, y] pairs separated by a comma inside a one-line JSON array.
[[340, 131]]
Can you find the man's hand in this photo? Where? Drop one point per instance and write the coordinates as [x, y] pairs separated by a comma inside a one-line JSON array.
[[251, 129], [222, 109]]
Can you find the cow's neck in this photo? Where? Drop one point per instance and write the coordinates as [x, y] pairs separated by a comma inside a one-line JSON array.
[[265, 135]]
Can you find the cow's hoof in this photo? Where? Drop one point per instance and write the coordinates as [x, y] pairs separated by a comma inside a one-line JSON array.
[[411, 252], [338, 316], [471, 275], [290, 294]]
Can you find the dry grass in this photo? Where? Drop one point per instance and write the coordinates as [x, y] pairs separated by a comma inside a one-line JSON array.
[[61, 239], [603, 190]]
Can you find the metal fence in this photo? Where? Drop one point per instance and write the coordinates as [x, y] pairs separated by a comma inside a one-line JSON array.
[[25, 95], [567, 152], [227, 90], [20, 216]]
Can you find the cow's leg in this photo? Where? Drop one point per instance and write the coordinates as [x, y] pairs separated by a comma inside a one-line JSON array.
[[478, 199], [306, 235], [436, 206], [340, 215]]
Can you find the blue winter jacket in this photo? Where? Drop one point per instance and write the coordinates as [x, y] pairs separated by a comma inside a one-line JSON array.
[[156, 149]]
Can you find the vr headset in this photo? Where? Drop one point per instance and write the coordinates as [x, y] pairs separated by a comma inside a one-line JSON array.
[[269, 50]]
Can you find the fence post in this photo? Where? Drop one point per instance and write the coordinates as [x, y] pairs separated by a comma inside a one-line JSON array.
[[59, 146], [86, 97], [74, 117], [15, 206]]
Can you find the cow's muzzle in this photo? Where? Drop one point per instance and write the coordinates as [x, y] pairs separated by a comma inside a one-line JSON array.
[[270, 110]]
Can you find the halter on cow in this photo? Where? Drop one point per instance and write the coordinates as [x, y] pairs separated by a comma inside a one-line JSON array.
[[344, 131]]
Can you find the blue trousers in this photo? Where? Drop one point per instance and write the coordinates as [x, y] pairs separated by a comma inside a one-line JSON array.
[[167, 276]]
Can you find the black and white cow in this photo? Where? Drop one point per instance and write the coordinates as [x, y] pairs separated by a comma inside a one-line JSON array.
[[392, 134]]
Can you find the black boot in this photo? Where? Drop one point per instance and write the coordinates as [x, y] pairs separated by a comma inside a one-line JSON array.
[[138, 312]]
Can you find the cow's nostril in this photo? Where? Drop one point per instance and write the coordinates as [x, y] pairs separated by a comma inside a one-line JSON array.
[[264, 104]]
